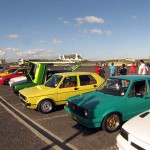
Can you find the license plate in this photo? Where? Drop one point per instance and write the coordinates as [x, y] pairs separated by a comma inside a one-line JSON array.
[[73, 116]]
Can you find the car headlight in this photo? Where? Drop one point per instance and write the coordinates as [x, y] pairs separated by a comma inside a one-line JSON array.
[[86, 113], [66, 103], [124, 133]]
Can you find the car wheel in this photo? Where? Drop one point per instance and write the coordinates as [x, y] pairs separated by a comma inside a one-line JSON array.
[[111, 122], [6, 82], [46, 106]]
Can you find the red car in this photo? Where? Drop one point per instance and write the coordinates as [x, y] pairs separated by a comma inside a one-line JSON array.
[[19, 72]]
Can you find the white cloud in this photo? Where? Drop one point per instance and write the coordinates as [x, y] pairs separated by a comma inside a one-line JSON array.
[[134, 17], [55, 41], [37, 54], [66, 22], [89, 19], [98, 31], [8, 51], [13, 36], [42, 42]]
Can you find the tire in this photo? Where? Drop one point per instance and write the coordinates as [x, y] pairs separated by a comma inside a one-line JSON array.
[[45, 106], [6, 82], [111, 122]]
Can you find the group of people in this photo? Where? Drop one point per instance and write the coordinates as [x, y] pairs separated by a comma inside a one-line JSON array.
[[100, 70], [122, 70], [142, 69]]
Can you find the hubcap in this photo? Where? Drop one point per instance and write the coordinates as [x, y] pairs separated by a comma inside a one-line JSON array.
[[113, 122], [46, 106]]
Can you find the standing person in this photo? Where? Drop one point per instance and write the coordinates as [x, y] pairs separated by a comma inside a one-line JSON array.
[[112, 69], [142, 68], [118, 70], [133, 68], [97, 69], [123, 70], [102, 71]]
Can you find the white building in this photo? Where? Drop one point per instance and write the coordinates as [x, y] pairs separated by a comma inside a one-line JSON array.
[[71, 57]]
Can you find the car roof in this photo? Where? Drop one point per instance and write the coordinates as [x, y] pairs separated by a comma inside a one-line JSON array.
[[132, 77]]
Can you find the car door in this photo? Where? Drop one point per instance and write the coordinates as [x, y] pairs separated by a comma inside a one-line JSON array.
[[67, 88], [87, 83], [138, 100]]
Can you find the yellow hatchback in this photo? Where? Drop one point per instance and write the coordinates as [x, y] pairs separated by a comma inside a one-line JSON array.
[[58, 88]]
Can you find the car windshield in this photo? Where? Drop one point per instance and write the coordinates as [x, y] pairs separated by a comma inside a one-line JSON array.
[[53, 81], [114, 86]]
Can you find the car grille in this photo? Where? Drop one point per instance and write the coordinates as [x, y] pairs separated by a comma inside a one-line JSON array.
[[22, 97], [78, 110]]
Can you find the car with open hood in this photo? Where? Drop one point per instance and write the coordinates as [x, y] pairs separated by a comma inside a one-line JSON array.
[[38, 73], [118, 99], [58, 88]]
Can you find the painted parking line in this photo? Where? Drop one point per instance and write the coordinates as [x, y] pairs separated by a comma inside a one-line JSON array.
[[49, 118], [37, 129]]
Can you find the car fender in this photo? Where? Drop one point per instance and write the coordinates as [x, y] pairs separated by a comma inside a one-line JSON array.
[[45, 98], [112, 111]]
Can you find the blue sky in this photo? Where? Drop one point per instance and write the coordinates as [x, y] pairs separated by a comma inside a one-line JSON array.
[[95, 29]]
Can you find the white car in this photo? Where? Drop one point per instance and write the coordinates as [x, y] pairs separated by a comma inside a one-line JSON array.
[[17, 80], [135, 133]]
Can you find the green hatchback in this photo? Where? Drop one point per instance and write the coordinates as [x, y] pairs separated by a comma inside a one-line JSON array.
[[118, 99]]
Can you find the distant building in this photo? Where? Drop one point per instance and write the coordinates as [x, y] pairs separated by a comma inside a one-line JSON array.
[[130, 59], [2, 61], [71, 57]]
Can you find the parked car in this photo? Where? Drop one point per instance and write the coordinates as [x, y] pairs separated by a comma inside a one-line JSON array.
[[7, 71], [58, 88], [19, 72], [135, 133], [118, 99], [38, 74]]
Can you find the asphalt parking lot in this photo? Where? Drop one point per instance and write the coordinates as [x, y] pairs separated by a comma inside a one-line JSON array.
[[29, 129]]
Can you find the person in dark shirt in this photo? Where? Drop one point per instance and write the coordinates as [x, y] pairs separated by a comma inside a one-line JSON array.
[[102, 71], [123, 70]]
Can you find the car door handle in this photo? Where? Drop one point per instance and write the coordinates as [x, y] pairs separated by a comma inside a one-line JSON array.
[[76, 88], [95, 85]]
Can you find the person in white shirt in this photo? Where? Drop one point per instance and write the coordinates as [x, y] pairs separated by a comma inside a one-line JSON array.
[[142, 68]]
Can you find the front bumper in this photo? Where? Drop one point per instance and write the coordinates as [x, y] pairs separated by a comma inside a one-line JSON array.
[[25, 103], [88, 122]]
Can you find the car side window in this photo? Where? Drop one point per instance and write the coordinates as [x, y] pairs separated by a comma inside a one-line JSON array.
[[138, 89], [70, 81], [87, 80], [149, 83]]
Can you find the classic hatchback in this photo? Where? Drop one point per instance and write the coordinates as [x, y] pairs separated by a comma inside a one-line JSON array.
[[58, 88], [135, 133], [118, 99], [7, 71], [19, 72]]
